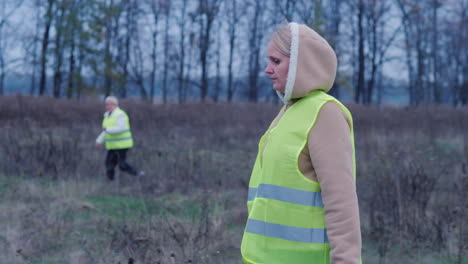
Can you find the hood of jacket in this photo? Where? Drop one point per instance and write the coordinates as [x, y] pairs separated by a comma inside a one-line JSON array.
[[312, 64]]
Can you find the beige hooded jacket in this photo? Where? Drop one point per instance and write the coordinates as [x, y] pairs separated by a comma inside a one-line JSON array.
[[328, 155]]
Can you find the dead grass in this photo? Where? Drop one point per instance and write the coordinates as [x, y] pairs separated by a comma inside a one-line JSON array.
[[56, 206]]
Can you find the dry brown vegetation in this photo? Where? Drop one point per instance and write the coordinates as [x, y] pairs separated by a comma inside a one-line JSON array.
[[56, 206]]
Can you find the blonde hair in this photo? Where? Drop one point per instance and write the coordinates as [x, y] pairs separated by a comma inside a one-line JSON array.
[[281, 39], [112, 100]]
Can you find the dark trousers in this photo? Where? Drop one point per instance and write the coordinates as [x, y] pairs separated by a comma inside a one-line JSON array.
[[117, 156]]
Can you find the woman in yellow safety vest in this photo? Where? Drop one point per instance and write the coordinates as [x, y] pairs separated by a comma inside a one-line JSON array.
[[302, 202], [117, 137]]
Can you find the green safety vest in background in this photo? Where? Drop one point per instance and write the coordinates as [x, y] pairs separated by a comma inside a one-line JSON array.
[[286, 220], [121, 140]]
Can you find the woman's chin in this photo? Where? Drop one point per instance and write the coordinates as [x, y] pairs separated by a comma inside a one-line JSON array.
[[278, 89]]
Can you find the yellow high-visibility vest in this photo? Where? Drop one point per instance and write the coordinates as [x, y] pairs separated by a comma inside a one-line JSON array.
[[121, 140], [286, 219]]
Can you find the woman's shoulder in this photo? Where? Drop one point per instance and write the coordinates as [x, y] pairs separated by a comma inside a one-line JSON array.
[[331, 111]]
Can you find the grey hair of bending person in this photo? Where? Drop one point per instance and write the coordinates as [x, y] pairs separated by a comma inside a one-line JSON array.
[[112, 100]]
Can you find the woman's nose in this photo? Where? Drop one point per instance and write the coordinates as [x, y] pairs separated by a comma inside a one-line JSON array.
[[268, 69]]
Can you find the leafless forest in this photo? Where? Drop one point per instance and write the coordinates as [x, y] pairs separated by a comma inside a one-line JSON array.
[[213, 50], [190, 76], [56, 206]]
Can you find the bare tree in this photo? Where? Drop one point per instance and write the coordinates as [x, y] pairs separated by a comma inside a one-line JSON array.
[[356, 57], [8, 9], [207, 11], [156, 9], [130, 7], [217, 86], [34, 43], [59, 26], [107, 51], [285, 8], [376, 17], [137, 69], [333, 35], [110, 18], [361, 59], [2, 57], [124, 47], [83, 45], [193, 69], [436, 87], [49, 15], [167, 13], [373, 37], [137, 72], [233, 17], [256, 31], [450, 66], [414, 25], [181, 79], [304, 9], [98, 45], [74, 36], [74, 23], [458, 53]]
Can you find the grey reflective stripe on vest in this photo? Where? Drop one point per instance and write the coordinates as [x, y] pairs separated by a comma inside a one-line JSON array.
[[123, 131], [286, 194], [117, 139], [298, 234], [252, 193]]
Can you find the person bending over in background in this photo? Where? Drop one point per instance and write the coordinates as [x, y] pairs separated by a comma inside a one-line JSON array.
[[117, 138], [302, 202]]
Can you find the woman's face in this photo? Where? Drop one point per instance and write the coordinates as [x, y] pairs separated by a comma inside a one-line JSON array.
[[277, 68], [110, 106]]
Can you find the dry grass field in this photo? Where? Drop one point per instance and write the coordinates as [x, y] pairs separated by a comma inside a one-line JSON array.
[[56, 205]]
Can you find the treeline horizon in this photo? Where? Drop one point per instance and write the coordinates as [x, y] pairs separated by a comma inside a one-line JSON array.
[[214, 50]]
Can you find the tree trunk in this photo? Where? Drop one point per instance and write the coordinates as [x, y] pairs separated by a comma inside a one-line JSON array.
[[45, 44], [2, 75], [153, 67], [58, 53], [254, 43], [435, 50], [71, 70], [204, 60], [335, 31], [420, 70], [217, 90], [107, 53], [166, 56], [371, 82], [32, 88], [181, 78], [361, 59], [130, 21], [155, 11]]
